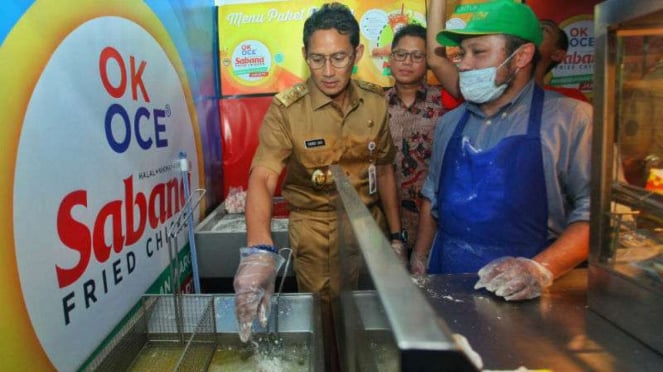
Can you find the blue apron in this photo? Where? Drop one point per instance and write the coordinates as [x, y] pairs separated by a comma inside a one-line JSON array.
[[491, 203]]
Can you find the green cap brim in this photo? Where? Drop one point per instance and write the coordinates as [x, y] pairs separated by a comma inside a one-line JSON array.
[[453, 38]]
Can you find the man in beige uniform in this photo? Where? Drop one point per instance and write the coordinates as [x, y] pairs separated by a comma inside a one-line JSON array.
[[328, 120]]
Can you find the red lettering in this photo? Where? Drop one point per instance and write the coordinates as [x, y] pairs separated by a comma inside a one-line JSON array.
[[136, 75], [579, 32], [577, 58], [137, 80], [130, 208], [107, 54], [74, 235], [165, 200], [157, 201], [173, 194], [249, 61], [112, 211]]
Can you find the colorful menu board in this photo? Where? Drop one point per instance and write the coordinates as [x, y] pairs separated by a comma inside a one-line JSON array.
[[260, 44]]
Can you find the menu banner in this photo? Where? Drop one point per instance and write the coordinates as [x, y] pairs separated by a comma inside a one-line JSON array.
[[260, 44]]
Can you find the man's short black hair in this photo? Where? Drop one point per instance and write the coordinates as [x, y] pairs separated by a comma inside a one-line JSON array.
[[562, 40], [332, 16], [411, 29]]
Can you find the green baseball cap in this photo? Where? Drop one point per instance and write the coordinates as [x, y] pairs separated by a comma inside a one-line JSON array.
[[491, 17]]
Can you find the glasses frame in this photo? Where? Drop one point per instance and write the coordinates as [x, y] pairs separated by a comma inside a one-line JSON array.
[[416, 56], [330, 57]]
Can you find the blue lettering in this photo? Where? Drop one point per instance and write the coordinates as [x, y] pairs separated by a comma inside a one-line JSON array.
[[123, 145], [144, 144], [120, 138], [159, 128]]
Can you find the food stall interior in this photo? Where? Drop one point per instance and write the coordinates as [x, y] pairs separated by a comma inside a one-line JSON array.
[[626, 258], [604, 317]]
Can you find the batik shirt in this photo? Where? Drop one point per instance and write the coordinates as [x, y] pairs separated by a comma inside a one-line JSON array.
[[412, 129]]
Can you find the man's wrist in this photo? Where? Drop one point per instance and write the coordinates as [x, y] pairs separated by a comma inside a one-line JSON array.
[[400, 236], [264, 247], [416, 254]]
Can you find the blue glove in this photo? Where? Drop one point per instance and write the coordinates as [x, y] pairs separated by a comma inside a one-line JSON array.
[[254, 286], [514, 278]]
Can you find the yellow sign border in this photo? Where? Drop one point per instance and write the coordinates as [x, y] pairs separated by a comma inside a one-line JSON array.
[[23, 56]]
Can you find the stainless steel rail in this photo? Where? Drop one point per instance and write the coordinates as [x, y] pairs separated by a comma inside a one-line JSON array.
[[423, 340]]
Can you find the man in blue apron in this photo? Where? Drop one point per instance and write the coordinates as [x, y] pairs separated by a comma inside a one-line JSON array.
[[508, 186]]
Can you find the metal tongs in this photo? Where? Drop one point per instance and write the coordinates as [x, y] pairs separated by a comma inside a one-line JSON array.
[[288, 252]]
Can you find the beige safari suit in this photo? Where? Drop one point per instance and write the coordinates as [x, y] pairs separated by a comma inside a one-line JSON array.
[[306, 132]]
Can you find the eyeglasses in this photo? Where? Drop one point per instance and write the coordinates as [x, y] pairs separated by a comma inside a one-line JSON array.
[[337, 60], [401, 55]]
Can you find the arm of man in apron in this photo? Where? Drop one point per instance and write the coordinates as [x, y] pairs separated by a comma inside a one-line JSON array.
[[425, 236], [569, 250], [519, 278], [254, 280]]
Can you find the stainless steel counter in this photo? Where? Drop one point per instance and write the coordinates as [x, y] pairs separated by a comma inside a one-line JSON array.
[[556, 332], [219, 237]]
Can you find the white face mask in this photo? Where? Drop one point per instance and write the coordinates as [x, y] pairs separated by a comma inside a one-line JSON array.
[[478, 86]]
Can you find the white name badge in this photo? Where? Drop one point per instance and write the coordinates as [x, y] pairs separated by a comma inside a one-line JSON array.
[[372, 180]]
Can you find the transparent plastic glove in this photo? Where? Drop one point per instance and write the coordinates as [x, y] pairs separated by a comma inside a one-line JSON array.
[[514, 278], [400, 250], [254, 286], [418, 264]]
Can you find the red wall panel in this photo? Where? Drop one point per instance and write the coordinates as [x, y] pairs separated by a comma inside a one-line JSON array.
[[240, 121]]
